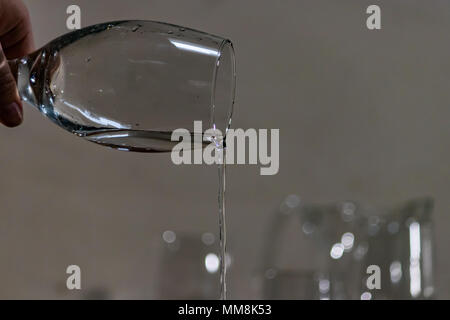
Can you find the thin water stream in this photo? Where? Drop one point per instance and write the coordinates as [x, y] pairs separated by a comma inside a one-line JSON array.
[[222, 222]]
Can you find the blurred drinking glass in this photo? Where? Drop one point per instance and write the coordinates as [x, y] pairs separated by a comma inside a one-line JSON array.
[[340, 241]]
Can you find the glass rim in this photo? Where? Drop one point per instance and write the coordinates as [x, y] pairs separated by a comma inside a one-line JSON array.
[[226, 43]]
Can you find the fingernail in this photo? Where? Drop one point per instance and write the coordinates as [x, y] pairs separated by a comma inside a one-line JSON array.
[[11, 115]]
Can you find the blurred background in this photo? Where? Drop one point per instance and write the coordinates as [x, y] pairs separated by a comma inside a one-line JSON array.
[[364, 131]]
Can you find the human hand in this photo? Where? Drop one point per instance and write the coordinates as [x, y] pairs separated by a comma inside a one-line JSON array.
[[16, 40]]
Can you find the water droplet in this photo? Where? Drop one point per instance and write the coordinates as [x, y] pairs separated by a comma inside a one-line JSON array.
[[88, 59], [182, 29], [33, 78], [170, 32], [136, 28]]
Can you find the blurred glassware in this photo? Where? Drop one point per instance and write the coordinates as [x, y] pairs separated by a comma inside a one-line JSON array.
[[339, 242], [188, 267], [299, 285]]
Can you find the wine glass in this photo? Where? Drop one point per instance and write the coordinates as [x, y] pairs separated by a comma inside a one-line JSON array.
[[129, 84]]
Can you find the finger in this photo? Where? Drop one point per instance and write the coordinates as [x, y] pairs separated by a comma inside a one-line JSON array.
[[18, 42], [10, 106], [15, 29]]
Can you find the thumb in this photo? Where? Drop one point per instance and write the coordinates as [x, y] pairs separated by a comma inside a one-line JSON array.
[[10, 105]]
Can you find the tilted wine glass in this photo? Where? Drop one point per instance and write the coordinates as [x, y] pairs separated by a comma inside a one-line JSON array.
[[129, 84]]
